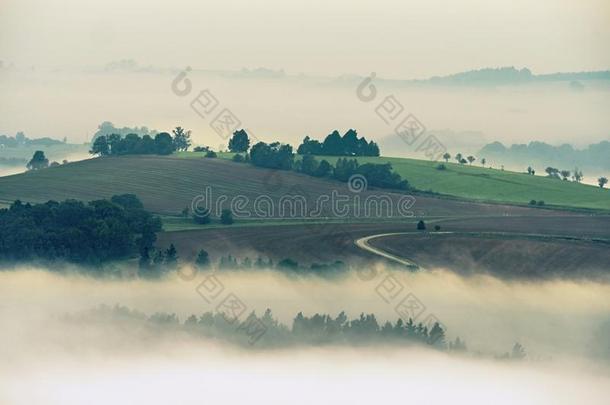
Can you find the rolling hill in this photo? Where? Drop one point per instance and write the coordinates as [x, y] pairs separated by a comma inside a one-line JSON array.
[[485, 184], [168, 184]]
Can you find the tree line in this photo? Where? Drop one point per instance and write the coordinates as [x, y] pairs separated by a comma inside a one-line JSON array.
[[281, 157], [318, 329], [133, 144], [76, 232], [336, 145]]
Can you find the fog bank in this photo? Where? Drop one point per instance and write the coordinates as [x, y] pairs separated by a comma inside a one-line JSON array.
[[48, 360]]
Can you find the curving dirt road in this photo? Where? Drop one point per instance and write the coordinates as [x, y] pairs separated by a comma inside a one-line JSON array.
[[362, 243]]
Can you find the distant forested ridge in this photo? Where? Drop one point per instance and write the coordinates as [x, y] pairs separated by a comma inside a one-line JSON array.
[[20, 140], [77, 232], [512, 75], [595, 156]]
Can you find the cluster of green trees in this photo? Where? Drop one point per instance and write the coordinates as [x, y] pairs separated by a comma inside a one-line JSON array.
[[376, 174], [463, 159], [555, 173], [77, 232], [40, 161], [281, 157], [272, 156], [336, 145], [155, 261], [134, 144], [319, 329]]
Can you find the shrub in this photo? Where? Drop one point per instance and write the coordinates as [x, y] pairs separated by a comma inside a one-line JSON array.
[[441, 167], [202, 217], [288, 264], [437, 228], [324, 168], [226, 217], [238, 158], [421, 225], [540, 203], [211, 154], [533, 202]]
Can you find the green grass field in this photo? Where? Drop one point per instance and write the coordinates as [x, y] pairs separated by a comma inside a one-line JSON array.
[[483, 184]]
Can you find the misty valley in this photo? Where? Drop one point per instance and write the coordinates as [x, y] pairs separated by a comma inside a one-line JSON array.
[[304, 202]]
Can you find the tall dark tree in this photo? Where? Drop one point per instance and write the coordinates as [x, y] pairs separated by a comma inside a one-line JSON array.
[[203, 259], [350, 143], [239, 142], [100, 146], [38, 161], [333, 145], [182, 139], [164, 144]]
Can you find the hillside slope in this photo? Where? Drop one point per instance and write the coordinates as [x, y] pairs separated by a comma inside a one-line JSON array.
[[485, 184], [169, 184]]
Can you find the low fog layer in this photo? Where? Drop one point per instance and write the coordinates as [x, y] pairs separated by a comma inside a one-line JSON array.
[[49, 360]]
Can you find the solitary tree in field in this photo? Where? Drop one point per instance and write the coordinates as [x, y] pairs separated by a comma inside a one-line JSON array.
[[446, 156], [203, 259], [239, 142], [182, 139], [577, 176], [602, 181], [529, 170], [421, 226], [471, 159], [458, 157], [39, 161], [565, 174], [518, 352], [483, 161]]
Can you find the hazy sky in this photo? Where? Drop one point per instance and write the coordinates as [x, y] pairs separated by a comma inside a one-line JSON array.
[[396, 38]]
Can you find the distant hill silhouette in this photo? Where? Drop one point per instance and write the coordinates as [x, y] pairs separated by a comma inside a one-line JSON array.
[[512, 75]]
